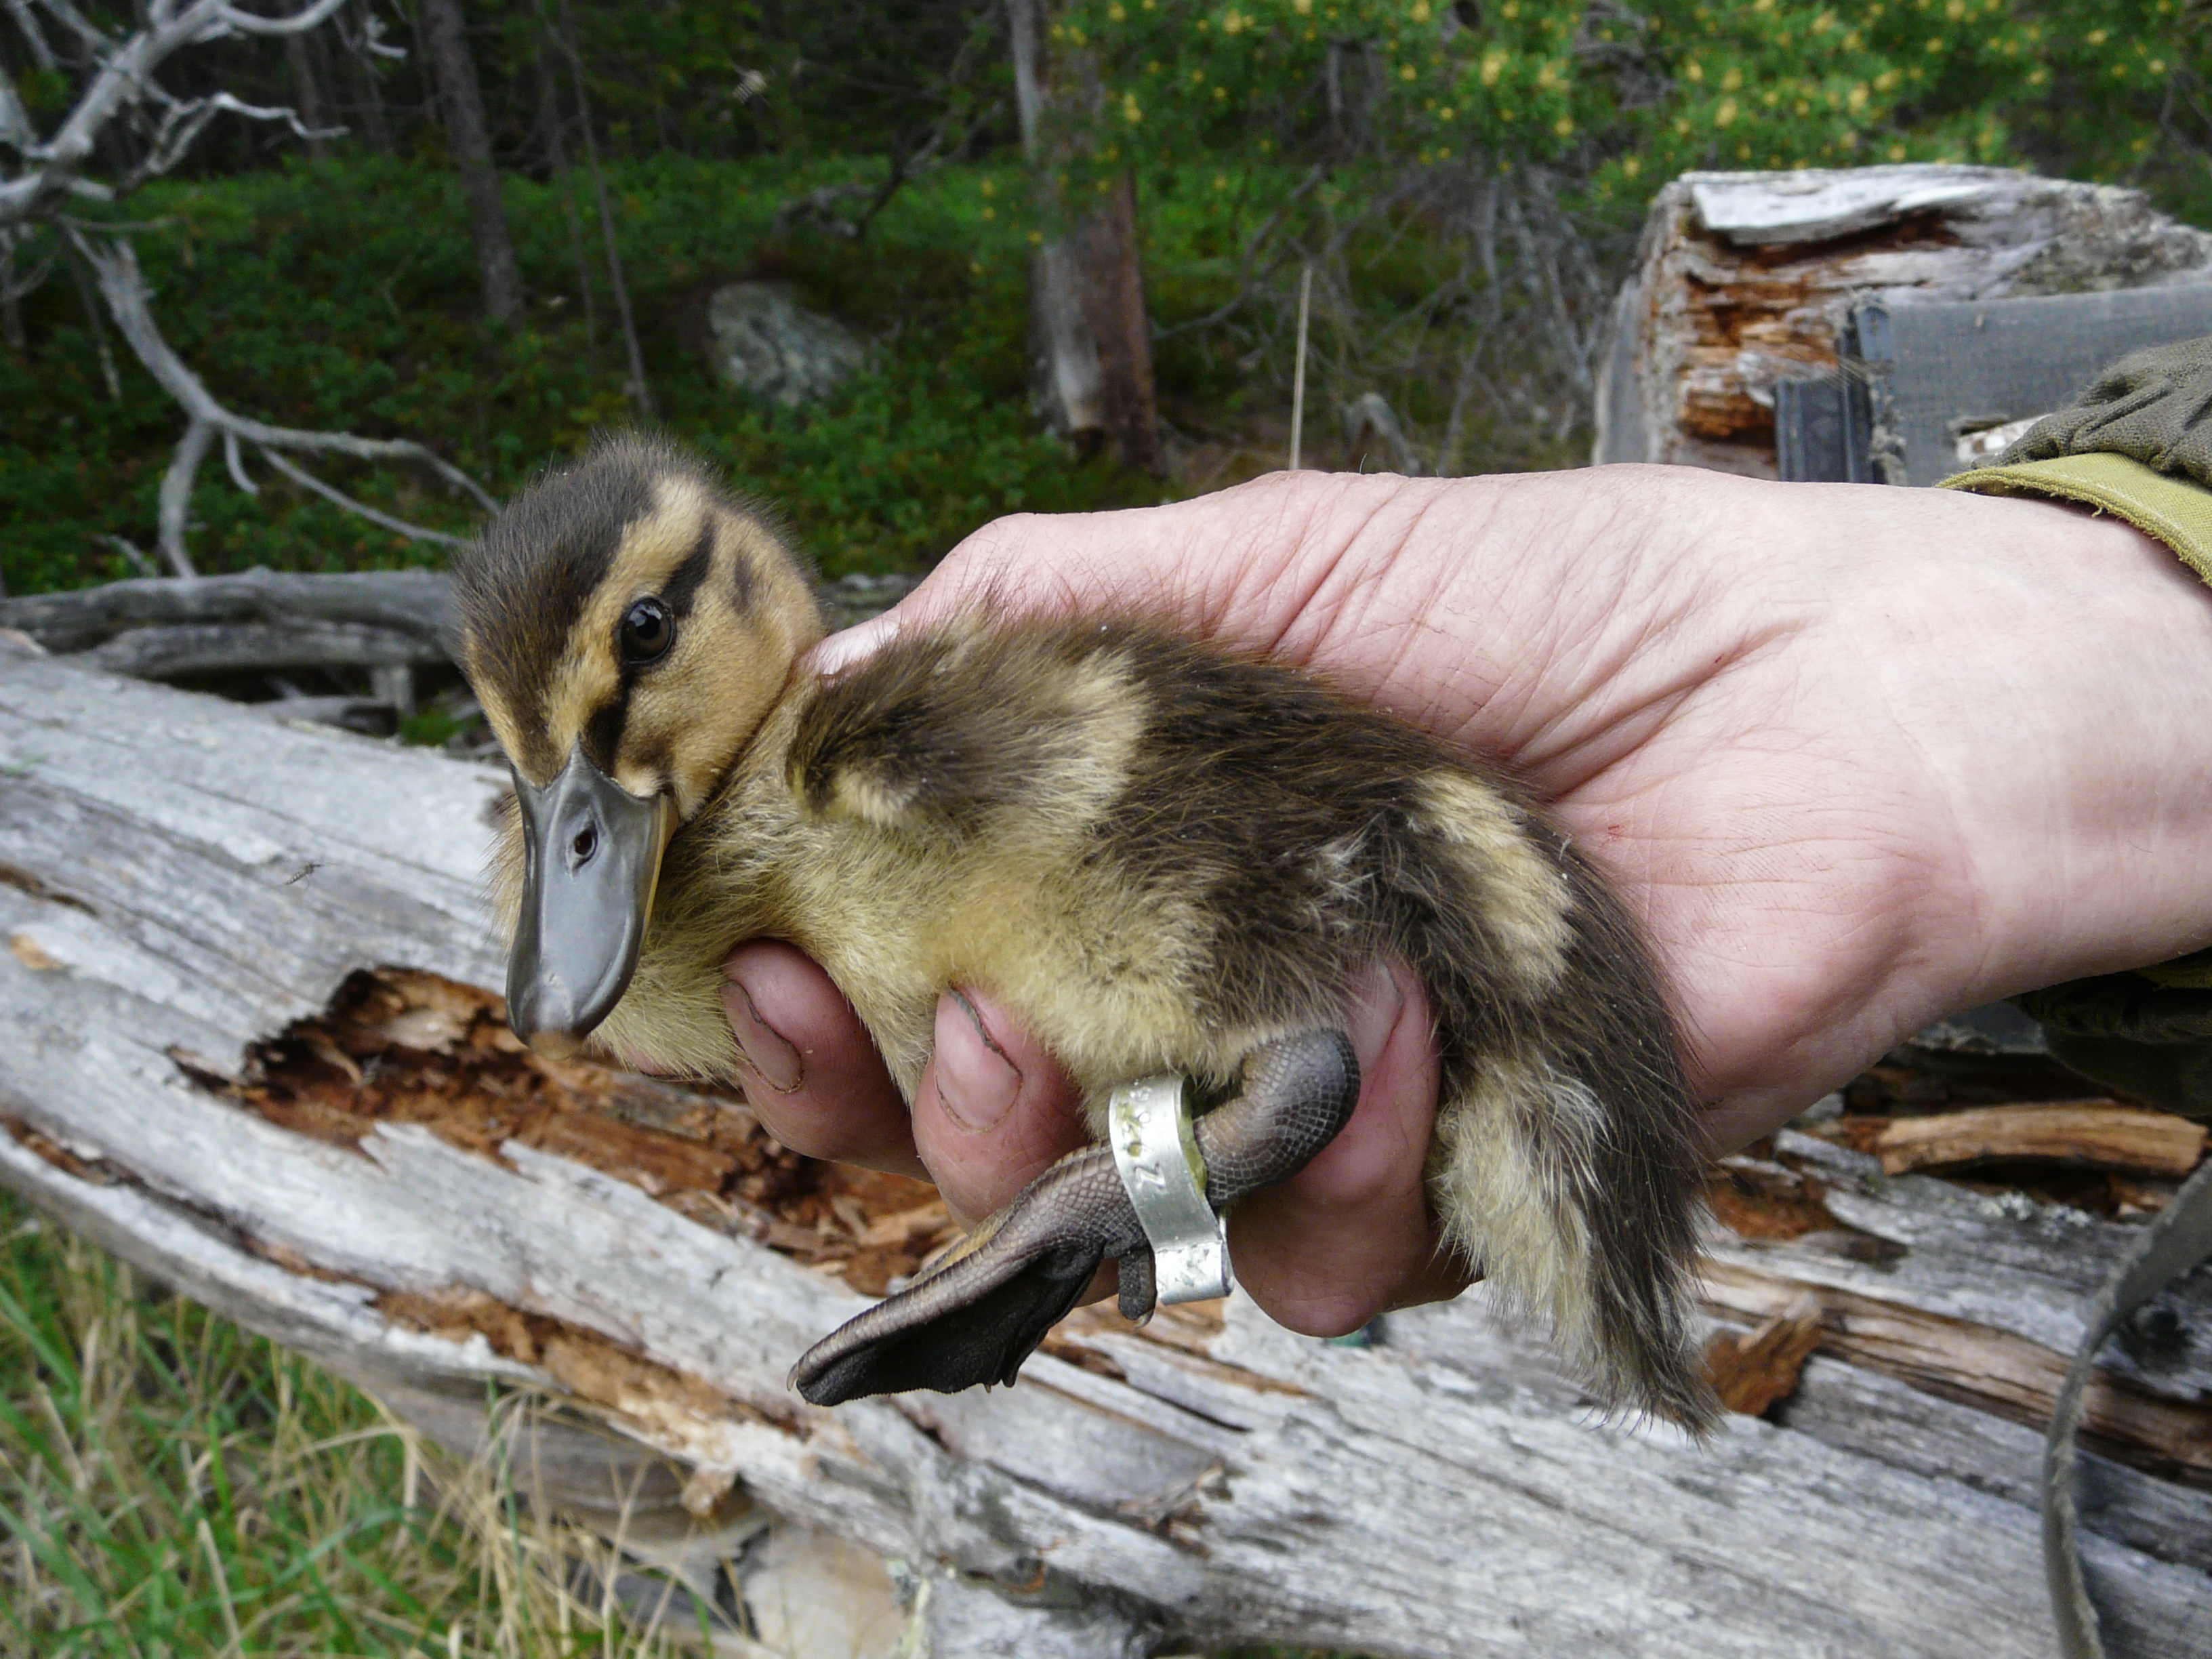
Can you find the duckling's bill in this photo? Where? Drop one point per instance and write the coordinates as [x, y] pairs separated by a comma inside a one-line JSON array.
[[592, 858]]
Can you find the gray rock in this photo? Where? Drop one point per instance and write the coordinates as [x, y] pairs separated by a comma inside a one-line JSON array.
[[767, 343]]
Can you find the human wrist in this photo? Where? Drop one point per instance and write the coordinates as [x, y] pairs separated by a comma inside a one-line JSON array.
[[2072, 745]]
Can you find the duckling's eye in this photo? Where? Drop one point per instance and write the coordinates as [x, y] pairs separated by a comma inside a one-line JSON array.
[[647, 632]]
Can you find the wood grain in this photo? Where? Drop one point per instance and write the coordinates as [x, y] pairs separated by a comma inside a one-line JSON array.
[[191, 882]]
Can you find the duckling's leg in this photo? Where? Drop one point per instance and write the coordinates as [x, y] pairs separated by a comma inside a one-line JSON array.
[[979, 1314]]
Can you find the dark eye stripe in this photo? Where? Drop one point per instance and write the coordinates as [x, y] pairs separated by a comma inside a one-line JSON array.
[[683, 587]]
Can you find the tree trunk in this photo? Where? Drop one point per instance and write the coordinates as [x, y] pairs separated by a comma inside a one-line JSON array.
[[1091, 351], [247, 1052], [470, 143], [313, 114]]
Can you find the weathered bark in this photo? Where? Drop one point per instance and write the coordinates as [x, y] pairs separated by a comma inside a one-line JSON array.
[[445, 32], [1743, 279], [181, 883], [1090, 348]]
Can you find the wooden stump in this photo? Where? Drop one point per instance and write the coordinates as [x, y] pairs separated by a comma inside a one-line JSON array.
[[1742, 280]]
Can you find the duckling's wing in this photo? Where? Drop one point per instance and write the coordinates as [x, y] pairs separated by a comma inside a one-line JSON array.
[[979, 1314], [940, 732]]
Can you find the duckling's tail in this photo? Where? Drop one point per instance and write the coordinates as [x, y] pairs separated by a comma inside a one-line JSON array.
[[1567, 1157]]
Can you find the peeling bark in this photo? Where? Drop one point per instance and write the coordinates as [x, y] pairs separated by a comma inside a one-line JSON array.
[[1743, 279]]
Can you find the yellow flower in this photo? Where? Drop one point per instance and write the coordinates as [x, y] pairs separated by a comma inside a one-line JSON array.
[[1303, 8], [1732, 80], [1693, 70], [1492, 64], [1631, 166], [1955, 10], [1116, 14], [2157, 66], [990, 187], [2095, 37], [1565, 126], [990, 213], [1421, 12], [1132, 112], [1445, 113], [1897, 152], [1724, 113], [1036, 238], [1221, 181], [1407, 73]]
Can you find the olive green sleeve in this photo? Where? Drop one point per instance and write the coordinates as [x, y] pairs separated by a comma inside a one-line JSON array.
[[2137, 445]]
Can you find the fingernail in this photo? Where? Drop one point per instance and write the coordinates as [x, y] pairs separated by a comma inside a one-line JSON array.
[[840, 651], [976, 1083], [764, 1048], [1373, 1005]]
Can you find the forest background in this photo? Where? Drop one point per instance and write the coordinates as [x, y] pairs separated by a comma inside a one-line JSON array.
[[1455, 189], [1463, 179]]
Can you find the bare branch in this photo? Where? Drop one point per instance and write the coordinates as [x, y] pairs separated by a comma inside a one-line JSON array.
[[176, 496], [236, 463], [124, 80], [248, 22], [15, 129], [123, 286], [41, 53], [308, 481]]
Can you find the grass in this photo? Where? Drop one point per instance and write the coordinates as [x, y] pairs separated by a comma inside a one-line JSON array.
[[172, 1485]]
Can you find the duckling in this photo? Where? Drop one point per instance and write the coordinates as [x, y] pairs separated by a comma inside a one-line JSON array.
[[1163, 856]]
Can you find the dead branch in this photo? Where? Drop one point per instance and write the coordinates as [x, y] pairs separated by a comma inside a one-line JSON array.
[[2100, 1134], [195, 648], [123, 286], [121, 88], [124, 82]]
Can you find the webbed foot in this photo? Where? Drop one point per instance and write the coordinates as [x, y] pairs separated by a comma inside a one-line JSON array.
[[978, 1315]]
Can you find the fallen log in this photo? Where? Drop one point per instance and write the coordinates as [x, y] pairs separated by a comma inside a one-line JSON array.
[[249, 1054], [413, 602]]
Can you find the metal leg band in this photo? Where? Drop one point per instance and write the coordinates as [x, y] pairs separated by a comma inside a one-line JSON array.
[[1149, 1127]]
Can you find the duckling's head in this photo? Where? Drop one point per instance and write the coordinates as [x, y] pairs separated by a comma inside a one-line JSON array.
[[627, 624]]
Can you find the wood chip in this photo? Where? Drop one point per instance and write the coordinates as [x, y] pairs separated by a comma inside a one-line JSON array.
[[1751, 1372], [2099, 1134]]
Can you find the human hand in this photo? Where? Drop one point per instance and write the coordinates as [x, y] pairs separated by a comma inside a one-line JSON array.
[[1849, 753]]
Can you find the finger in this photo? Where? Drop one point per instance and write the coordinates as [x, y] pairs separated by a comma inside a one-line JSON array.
[[994, 1108], [1351, 1234], [811, 1071]]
